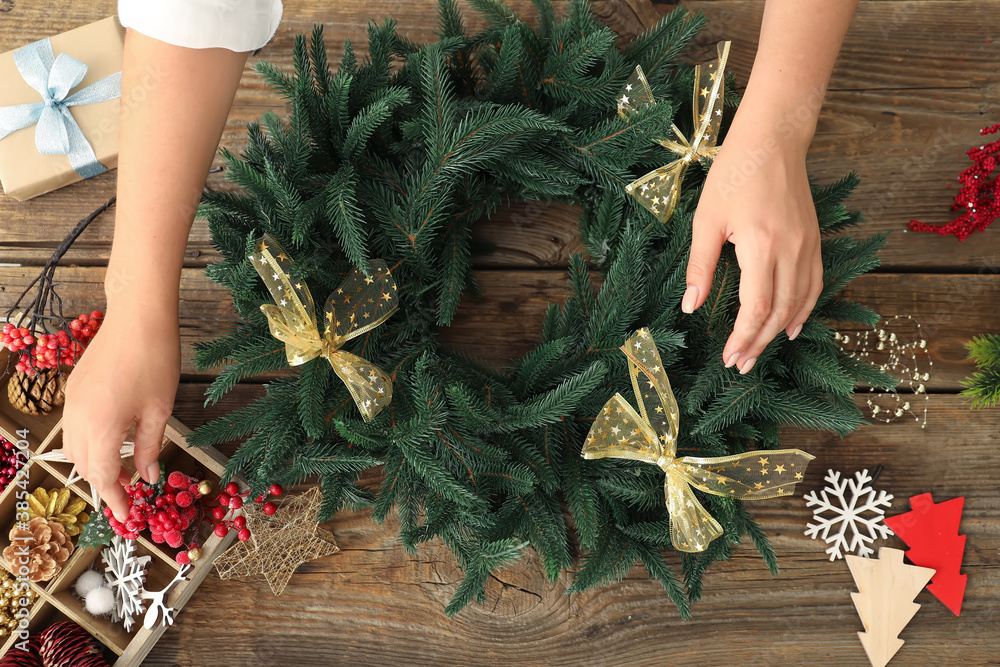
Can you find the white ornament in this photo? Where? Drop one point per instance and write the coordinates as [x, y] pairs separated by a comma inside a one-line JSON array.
[[100, 601], [126, 574], [57, 456], [88, 581], [158, 608], [843, 531]]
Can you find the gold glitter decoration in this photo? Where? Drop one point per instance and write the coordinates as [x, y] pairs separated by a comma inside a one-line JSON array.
[[279, 543], [650, 435]]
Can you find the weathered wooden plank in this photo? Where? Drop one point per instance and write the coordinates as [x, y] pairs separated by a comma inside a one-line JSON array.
[[373, 604], [906, 101], [503, 322]]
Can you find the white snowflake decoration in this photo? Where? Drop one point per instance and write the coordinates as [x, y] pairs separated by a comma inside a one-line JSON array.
[[158, 609], [844, 531], [126, 574]]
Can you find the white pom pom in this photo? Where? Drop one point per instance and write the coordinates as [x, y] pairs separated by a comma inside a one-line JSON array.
[[100, 601], [88, 581]]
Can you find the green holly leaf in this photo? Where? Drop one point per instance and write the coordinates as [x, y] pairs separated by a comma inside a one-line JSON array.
[[96, 532]]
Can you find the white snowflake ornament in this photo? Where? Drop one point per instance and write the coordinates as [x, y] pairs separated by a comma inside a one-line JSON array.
[[126, 574], [848, 530], [158, 610]]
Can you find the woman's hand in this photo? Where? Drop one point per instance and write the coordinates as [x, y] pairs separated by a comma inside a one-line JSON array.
[[757, 197], [127, 376]]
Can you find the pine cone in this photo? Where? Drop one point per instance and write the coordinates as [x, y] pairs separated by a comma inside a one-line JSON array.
[[59, 505], [46, 545], [39, 393], [15, 657], [66, 644]]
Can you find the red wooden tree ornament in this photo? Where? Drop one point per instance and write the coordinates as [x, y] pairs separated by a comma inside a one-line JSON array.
[[931, 531]]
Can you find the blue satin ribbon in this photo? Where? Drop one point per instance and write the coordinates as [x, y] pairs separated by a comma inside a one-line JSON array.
[[56, 131]]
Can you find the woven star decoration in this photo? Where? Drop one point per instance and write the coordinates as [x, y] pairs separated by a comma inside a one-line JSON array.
[[279, 543]]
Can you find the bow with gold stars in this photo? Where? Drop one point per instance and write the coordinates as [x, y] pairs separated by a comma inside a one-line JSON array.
[[650, 435], [359, 305], [660, 190]]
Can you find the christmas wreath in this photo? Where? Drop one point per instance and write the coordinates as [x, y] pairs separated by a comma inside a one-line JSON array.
[[395, 159]]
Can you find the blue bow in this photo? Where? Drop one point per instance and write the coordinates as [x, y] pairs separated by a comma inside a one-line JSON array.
[[57, 132]]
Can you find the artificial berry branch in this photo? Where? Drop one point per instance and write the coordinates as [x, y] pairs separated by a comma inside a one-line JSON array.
[[979, 197], [43, 308]]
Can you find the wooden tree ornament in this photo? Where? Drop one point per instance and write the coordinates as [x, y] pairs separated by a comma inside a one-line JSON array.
[[931, 532], [886, 588]]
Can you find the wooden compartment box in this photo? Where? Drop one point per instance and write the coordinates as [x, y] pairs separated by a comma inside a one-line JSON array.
[[56, 598]]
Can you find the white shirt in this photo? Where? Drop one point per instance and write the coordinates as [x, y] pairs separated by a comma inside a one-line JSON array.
[[238, 25]]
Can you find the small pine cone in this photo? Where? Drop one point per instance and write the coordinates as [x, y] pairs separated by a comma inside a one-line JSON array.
[[15, 657], [66, 644], [37, 394], [45, 543]]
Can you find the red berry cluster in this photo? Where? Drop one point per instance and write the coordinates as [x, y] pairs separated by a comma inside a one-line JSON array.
[[9, 463], [167, 515], [50, 350], [229, 501], [979, 198]]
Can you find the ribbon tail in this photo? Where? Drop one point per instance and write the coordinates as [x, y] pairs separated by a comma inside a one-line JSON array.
[[18, 117], [370, 386], [692, 528], [302, 342], [104, 90], [659, 190]]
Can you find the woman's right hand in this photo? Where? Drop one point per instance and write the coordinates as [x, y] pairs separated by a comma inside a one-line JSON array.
[[128, 375]]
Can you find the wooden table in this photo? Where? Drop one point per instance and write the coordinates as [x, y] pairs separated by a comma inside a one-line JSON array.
[[914, 83]]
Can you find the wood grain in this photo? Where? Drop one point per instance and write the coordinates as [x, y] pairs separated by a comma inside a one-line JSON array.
[[503, 322], [906, 101], [914, 83], [372, 604]]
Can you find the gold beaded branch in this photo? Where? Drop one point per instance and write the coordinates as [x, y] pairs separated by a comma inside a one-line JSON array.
[[895, 345]]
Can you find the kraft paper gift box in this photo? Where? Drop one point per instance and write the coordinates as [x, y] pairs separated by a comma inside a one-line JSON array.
[[24, 171]]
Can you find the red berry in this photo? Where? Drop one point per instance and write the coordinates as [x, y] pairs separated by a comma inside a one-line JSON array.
[[158, 538], [223, 499], [221, 530], [276, 490], [219, 513], [108, 513], [161, 501], [232, 488], [193, 489], [178, 480], [174, 538], [174, 514], [240, 522], [235, 503], [167, 526], [171, 498], [184, 499], [270, 508], [244, 534], [182, 558]]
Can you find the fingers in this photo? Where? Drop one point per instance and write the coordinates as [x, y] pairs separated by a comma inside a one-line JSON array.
[[706, 244], [756, 290], [791, 288], [104, 471], [148, 441], [815, 289]]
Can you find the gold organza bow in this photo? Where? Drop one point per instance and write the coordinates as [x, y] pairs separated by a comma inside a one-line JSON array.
[[650, 435], [359, 305], [660, 189]]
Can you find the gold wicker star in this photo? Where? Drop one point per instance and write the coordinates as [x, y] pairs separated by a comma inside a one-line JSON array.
[[279, 543]]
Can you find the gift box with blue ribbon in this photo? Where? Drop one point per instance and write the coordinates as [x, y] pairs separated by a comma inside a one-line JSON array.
[[59, 109]]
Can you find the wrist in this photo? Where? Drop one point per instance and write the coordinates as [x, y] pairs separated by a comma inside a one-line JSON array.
[[771, 114]]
